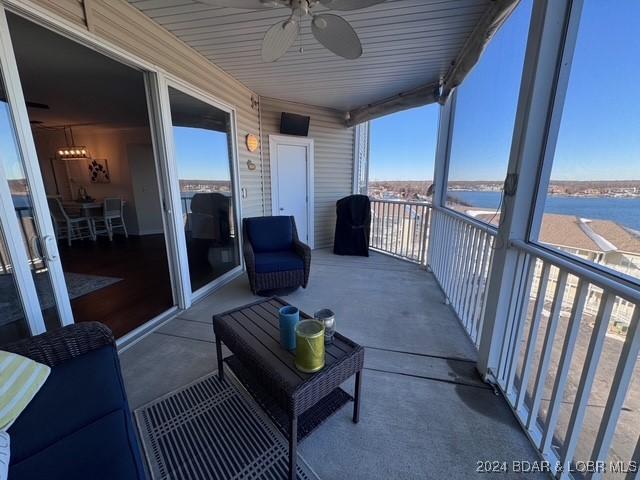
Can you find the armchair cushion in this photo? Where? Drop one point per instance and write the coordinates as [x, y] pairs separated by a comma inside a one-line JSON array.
[[270, 234], [77, 393], [94, 452], [268, 262]]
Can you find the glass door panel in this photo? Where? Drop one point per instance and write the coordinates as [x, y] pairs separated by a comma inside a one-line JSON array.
[[202, 137], [13, 321], [28, 295]]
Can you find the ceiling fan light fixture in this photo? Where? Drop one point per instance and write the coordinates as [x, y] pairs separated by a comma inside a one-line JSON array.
[[320, 22]]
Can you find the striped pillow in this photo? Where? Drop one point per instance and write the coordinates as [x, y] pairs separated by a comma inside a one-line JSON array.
[[4, 455], [20, 380]]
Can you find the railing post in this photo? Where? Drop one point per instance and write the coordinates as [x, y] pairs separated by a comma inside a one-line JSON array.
[[541, 90], [361, 158], [443, 147]]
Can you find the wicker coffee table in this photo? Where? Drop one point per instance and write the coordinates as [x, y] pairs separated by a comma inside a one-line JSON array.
[[297, 402]]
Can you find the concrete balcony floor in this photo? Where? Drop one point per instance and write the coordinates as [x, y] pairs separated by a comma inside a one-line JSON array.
[[425, 413]]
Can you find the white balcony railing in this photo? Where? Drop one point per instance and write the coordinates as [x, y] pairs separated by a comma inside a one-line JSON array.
[[460, 255], [569, 356], [400, 228]]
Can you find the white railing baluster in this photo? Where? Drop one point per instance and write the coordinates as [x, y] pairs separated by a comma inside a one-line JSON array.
[[483, 293], [462, 293], [471, 280], [433, 252], [455, 240], [619, 387], [462, 274], [570, 340], [460, 253], [399, 228], [547, 346], [477, 299], [596, 344], [521, 317], [507, 344], [534, 326]]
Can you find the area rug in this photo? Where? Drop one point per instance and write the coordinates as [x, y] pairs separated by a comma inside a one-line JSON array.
[[212, 429], [78, 284]]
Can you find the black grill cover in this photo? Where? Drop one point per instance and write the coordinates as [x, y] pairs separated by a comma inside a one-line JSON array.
[[353, 226]]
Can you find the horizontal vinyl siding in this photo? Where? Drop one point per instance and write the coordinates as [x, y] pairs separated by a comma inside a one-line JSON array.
[[333, 155], [70, 10], [126, 27]]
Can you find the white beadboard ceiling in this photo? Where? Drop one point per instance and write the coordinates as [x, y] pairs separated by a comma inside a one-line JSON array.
[[407, 44]]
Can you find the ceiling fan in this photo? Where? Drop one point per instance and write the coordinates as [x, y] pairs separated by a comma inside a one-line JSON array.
[[332, 31]]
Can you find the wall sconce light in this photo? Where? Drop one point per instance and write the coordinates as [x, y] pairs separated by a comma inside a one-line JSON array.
[[252, 142]]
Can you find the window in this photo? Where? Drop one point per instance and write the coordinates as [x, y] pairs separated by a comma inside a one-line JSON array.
[[485, 113], [592, 204], [402, 153]]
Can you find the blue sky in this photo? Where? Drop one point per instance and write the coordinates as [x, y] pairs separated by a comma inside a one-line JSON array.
[[486, 104], [403, 145], [201, 154], [599, 135], [600, 129]]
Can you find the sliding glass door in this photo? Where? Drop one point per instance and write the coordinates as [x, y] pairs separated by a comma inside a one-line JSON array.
[[204, 156], [86, 193], [32, 295], [93, 151]]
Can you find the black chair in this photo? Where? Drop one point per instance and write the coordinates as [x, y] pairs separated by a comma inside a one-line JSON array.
[[274, 256], [353, 226]]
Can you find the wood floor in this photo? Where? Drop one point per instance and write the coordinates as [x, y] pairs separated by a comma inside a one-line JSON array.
[[143, 293]]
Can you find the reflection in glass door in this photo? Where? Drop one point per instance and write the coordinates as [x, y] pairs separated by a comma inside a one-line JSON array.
[[202, 136], [27, 266], [13, 321]]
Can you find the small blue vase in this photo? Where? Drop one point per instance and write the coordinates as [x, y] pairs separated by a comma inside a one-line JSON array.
[[289, 318]]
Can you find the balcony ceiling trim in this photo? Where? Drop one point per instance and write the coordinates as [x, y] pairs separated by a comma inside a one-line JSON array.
[[439, 91]]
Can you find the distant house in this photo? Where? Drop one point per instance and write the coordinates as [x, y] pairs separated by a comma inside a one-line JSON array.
[[601, 241]]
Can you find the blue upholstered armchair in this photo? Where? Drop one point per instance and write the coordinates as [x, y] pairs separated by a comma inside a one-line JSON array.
[[274, 256]]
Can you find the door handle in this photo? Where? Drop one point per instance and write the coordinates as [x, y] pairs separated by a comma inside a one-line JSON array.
[[50, 248], [281, 209]]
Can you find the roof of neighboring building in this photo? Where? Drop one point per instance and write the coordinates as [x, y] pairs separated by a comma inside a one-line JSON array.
[[566, 231], [623, 238], [574, 232]]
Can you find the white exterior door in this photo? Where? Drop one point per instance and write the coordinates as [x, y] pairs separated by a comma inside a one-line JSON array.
[[292, 181]]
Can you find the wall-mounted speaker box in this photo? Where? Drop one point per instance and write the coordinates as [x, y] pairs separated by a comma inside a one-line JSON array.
[[292, 124]]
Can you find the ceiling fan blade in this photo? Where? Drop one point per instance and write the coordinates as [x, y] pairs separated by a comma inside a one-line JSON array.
[[279, 39], [42, 106], [337, 35], [349, 4], [247, 4]]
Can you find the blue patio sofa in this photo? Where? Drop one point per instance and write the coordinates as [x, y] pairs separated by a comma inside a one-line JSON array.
[[78, 426]]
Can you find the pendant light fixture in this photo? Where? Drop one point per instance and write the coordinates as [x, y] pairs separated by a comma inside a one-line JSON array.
[[72, 151]]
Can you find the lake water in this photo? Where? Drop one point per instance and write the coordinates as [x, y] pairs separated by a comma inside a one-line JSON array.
[[625, 211]]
